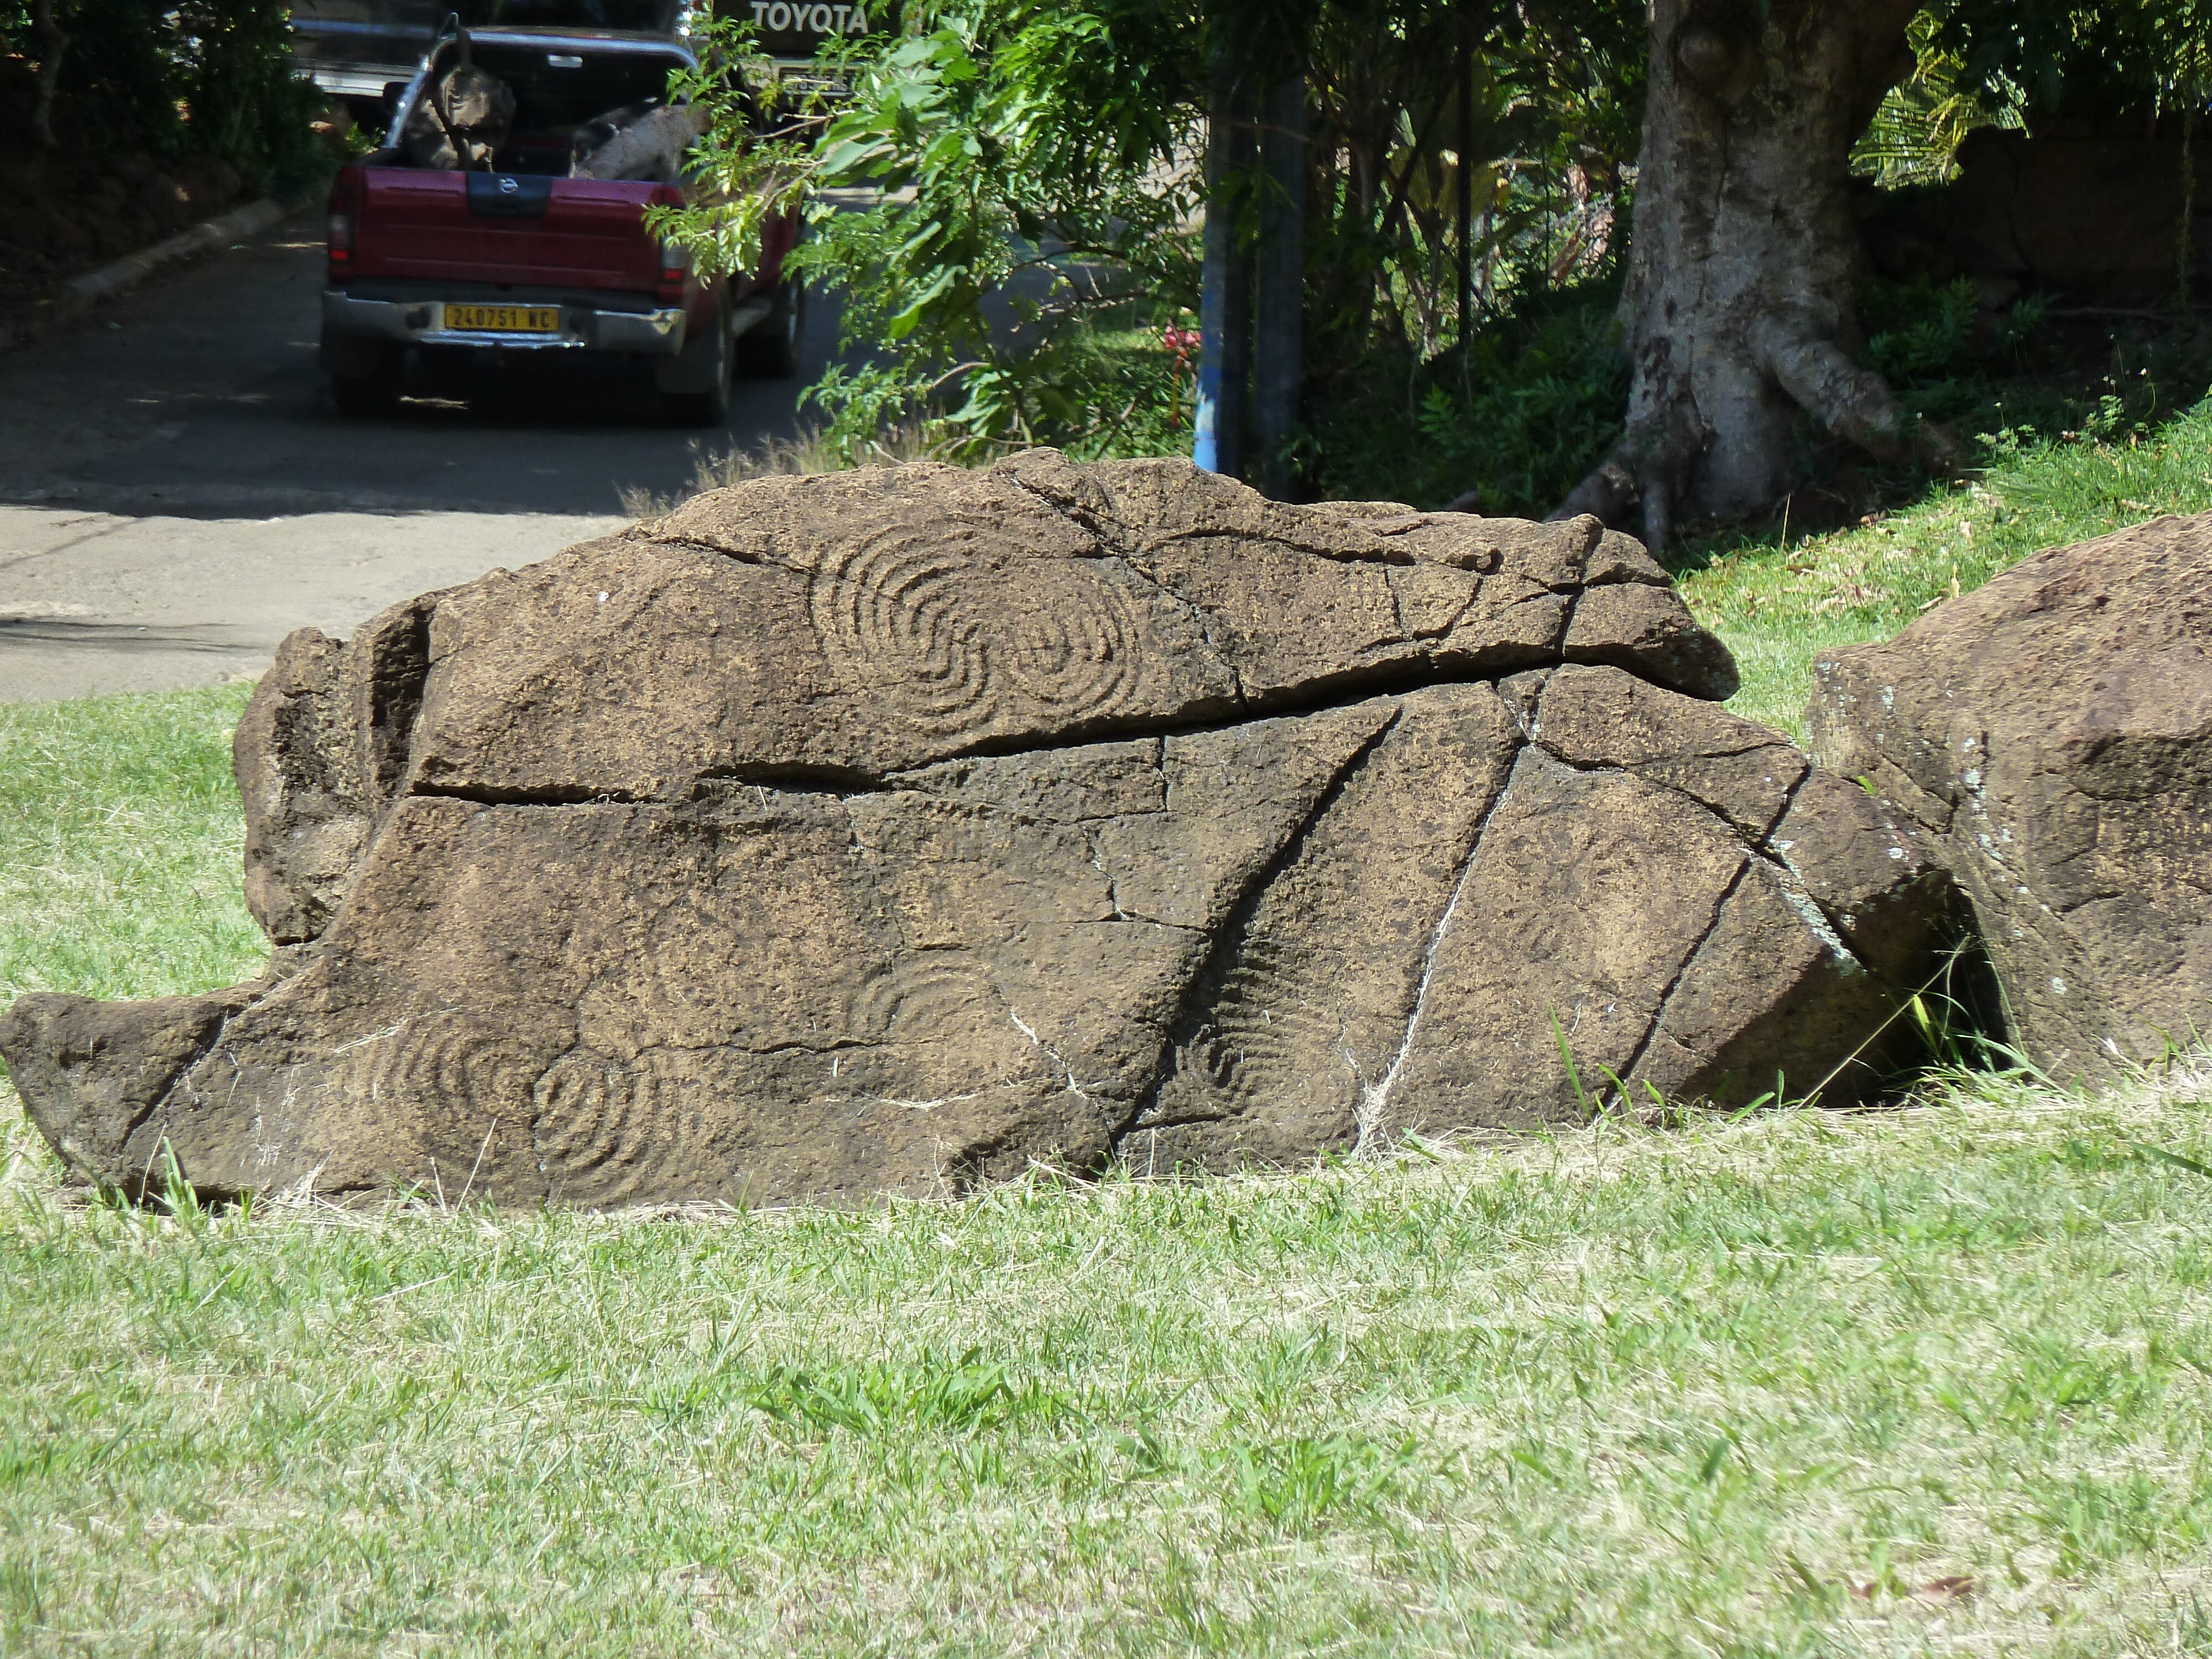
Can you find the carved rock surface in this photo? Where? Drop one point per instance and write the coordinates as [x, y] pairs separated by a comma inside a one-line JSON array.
[[885, 831], [2050, 739]]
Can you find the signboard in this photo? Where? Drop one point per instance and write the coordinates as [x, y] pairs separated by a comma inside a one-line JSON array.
[[795, 28]]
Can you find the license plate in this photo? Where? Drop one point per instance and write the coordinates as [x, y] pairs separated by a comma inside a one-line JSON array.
[[504, 320]]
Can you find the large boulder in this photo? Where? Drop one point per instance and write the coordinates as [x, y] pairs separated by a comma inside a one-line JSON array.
[[889, 831], [2049, 740]]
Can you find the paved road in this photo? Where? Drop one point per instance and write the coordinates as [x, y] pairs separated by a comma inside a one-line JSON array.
[[175, 495]]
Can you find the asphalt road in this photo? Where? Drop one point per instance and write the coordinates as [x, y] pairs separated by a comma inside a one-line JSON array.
[[176, 494]]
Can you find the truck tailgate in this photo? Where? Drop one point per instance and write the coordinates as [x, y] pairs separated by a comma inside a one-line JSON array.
[[584, 232]]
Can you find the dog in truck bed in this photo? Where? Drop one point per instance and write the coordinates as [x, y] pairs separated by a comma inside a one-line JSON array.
[[461, 119], [638, 141]]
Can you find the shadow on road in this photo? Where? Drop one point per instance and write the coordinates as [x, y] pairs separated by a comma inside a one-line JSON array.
[[177, 492], [199, 398], [119, 636]]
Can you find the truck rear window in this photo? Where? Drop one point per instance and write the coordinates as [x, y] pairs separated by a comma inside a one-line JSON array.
[[555, 93]]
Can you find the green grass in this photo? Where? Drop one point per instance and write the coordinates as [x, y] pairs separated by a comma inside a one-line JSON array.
[[1747, 1389], [120, 842], [1931, 1381], [1779, 600]]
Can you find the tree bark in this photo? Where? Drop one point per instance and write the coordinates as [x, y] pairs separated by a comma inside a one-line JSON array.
[[48, 41], [1280, 288], [1745, 262]]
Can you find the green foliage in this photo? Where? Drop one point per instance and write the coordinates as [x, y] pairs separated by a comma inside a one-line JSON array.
[[245, 102], [1518, 413], [753, 163], [1535, 108], [2075, 58], [1918, 333], [1922, 119], [214, 77], [1023, 154], [120, 84], [1039, 164]]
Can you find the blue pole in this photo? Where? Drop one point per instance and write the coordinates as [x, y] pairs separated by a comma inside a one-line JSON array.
[[1213, 337], [1205, 416], [1225, 304]]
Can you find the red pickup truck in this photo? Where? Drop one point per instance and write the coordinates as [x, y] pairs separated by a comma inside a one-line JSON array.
[[461, 267]]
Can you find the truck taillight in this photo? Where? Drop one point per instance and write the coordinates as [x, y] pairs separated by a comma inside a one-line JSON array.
[[338, 239], [675, 266]]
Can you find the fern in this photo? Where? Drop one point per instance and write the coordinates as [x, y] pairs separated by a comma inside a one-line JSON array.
[[1915, 136]]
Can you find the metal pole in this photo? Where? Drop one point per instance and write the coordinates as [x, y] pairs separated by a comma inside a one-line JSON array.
[[1224, 291]]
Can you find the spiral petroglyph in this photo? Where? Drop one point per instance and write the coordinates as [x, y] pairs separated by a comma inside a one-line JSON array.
[[894, 830], [1269, 1034], [962, 633], [915, 1000], [448, 1068], [605, 1131], [458, 1062]]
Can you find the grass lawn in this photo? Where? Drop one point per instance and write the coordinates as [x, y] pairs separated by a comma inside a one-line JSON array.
[[1779, 601], [1935, 1380], [121, 847], [1928, 1381]]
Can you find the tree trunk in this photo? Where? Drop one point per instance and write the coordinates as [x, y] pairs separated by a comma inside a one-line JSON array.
[[1745, 265], [1278, 292], [48, 41]]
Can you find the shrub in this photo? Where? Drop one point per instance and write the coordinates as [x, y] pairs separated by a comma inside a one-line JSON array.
[[1517, 416]]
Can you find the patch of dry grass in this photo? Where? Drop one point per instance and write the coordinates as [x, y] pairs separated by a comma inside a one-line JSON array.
[[775, 458]]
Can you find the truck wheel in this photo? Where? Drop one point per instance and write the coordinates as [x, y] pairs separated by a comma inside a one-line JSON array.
[[768, 350], [364, 371], [712, 406], [358, 396]]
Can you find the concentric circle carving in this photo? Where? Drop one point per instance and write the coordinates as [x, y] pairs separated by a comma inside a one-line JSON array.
[[604, 1131], [958, 632]]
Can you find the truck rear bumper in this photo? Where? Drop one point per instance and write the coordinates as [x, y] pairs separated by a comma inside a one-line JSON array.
[[421, 322]]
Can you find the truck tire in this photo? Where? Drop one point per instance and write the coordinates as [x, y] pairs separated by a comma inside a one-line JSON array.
[[768, 350], [712, 406], [364, 371]]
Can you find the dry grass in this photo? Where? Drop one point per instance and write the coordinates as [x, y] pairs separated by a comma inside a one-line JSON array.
[[775, 458]]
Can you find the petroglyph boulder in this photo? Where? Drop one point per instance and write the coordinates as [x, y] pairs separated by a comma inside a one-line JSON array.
[[2049, 739], [885, 831]]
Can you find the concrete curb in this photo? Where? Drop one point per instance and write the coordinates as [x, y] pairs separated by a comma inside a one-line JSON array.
[[210, 236]]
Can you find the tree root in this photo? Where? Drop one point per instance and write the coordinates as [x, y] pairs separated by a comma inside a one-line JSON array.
[[1606, 493], [1856, 403], [1848, 400]]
